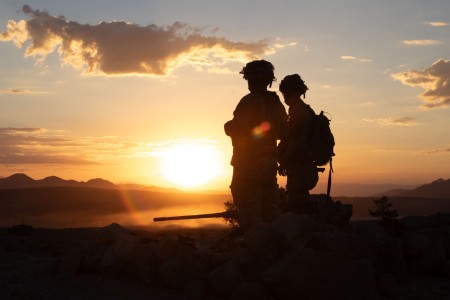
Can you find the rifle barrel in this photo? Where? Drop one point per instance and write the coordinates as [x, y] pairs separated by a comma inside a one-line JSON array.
[[188, 217]]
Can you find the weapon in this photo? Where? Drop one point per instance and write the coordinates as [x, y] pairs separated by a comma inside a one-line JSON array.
[[225, 214]]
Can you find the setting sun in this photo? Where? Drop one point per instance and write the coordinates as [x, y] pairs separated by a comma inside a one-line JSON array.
[[191, 164]]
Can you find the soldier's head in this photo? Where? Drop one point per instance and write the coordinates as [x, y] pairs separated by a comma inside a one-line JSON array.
[[259, 74], [293, 84]]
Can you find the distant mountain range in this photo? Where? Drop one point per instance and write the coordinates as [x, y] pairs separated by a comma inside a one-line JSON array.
[[437, 189], [20, 180]]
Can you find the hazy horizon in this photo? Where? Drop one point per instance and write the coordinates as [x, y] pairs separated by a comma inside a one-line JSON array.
[[338, 189]]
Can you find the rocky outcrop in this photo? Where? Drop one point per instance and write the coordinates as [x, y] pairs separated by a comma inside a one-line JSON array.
[[316, 256]]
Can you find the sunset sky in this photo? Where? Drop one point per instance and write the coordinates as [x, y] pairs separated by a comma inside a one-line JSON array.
[[135, 91]]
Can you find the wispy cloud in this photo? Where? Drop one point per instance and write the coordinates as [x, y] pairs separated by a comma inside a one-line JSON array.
[[421, 42], [17, 92], [118, 48], [435, 80], [367, 103], [354, 58], [402, 121], [40, 146], [36, 146], [438, 151], [437, 24]]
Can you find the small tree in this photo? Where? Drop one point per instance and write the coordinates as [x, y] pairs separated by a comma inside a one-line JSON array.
[[383, 209], [386, 214], [231, 217]]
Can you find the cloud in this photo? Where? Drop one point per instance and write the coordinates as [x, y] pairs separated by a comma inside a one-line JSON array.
[[437, 24], [36, 146], [367, 103], [438, 151], [40, 146], [435, 80], [17, 92], [354, 58], [119, 48], [421, 42], [402, 121]]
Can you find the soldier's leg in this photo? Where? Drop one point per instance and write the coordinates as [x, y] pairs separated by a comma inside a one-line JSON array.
[[271, 202], [298, 193], [248, 200]]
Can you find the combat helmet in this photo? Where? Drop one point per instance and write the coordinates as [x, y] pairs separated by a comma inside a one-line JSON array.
[[259, 70], [293, 83]]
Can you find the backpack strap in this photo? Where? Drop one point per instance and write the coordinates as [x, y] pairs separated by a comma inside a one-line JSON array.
[[329, 179]]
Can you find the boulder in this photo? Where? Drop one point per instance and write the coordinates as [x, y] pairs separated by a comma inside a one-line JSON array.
[[263, 241], [182, 268], [146, 262], [343, 243], [225, 278], [166, 248], [392, 261], [93, 253], [387, 285], [296, 229], [194, 289], [124, 246], [111, 262], [314, 274], [110, 233], [71, 263], [425, 256], [332, 212], [249, 291], [370, 231], [440, 235]]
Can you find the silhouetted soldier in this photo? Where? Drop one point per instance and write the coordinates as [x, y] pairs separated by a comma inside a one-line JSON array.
[[295, 159], [259, 120]]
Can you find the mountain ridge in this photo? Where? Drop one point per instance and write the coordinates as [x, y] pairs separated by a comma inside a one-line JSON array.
[[439, 188], [21, 180]]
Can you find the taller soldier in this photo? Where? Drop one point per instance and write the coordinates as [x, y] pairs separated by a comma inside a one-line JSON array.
[[259, 120]]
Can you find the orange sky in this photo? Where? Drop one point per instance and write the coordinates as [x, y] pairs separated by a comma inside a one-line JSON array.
[[89, 96]]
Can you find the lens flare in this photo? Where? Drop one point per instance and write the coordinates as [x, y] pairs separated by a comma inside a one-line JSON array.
[[261, 130]]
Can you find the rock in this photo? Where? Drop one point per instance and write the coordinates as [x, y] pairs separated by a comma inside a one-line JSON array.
[[387, 285], [225, 278], [411, 223], [249, 291], [392, 260], [370, 231], [71, 262], [146, 262], [194, 289], [314, 274], [332, 212], [93, 256], [167, 248], [263, 241], [111, 262], [425, 256], [182, 268], [124, 246], [123, 242], [296, 229], [343, 243], [110, 233], [439, 234]]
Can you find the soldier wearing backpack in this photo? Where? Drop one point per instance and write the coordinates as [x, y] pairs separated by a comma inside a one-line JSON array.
[[295, 157], [259, 120]]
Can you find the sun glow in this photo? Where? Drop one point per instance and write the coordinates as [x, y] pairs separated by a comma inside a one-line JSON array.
[[191, 164]]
